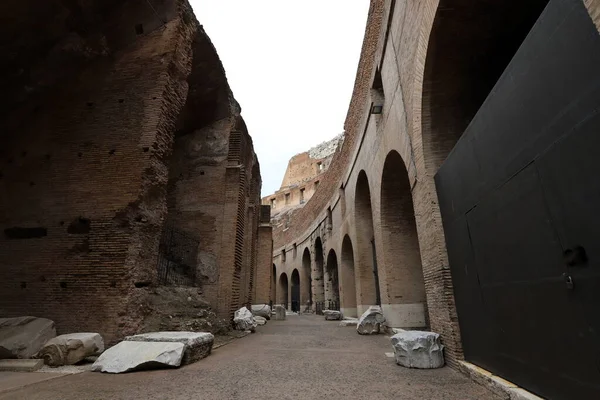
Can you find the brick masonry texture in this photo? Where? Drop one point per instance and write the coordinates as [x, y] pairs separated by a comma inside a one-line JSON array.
[[404, 48], [118, 121]]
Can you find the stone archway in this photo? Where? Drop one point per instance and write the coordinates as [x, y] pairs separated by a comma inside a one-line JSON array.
[[332, 286], [367, 285], [295, 295], [463, 60], [283, 290], [347, 280], [305, 278], [403, 290], [318, 275]]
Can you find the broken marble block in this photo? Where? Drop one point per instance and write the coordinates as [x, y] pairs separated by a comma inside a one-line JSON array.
[[332, 315], [371, 321], [198, 345], [349, 322], [244, 320], [23, 337], [71, 348], [280, 312], [261, 310], [260, 320], [418, 349], [132, 356]]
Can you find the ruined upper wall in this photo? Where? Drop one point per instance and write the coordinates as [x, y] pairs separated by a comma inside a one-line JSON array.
[[307, 165]]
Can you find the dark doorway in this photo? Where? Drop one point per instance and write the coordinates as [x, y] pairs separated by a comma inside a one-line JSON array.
[[295, 291]]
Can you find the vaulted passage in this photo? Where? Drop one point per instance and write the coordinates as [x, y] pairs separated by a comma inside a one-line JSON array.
[[366, 271], [306, 287], [332, 288], [318, 273], [283, 290], [296, 287], [403, 291], [347, 279]]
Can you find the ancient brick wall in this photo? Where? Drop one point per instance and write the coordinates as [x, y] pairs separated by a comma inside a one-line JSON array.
[[82, 162], [97, 161]]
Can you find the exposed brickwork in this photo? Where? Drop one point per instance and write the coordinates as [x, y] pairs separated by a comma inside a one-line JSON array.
[[109, 152]]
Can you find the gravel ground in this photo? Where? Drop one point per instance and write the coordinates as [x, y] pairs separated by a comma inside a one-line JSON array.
[[303, 357]]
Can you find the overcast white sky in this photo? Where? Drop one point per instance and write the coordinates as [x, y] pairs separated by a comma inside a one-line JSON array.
[[291, 65]]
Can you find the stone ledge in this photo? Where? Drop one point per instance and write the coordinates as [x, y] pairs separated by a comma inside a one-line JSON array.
[[21, 365], [503, 388]]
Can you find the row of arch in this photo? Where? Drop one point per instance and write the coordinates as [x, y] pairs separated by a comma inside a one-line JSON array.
[[353, 279]]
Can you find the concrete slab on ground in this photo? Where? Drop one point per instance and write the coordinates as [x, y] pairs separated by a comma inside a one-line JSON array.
[[304, 358], [17, 365]]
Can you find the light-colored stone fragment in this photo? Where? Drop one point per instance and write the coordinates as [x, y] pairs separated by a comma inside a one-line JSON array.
[[280, 313], [332, 315], [349, 322], [131, 356], [261, 310], [23, 337], [260, 320], [71, 348], [418, 349], [198, 345], [371, 321], [244, 320]]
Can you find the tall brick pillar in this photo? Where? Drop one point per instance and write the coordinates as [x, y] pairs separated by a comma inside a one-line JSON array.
[[263, 271]]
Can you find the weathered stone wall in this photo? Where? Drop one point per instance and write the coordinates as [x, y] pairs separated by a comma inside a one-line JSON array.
[[423, 61], [94, 107]]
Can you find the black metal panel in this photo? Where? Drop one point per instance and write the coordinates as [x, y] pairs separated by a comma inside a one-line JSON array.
[[519, 197], [177, 258]]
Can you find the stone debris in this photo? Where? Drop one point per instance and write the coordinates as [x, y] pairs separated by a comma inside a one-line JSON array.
[[260, 320], [280, 312], [71, 348], [371, 321], [332, 315], [418, 349], [327, 148], [23, 337], [244, 320], [349, 322], [261, 310], [24, 365], [132, 356], [198, 345]]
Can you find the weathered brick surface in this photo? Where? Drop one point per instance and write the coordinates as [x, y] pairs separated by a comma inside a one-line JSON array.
[[98, 158], [436, 63]]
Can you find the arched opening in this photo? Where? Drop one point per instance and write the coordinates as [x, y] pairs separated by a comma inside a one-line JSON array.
[[295, 291], [332, 286], [274, 285], [347, 283], [367, 285], [403, 291], [283, 290], [515, 80], [306, 287], [470, 45], [318, 274]]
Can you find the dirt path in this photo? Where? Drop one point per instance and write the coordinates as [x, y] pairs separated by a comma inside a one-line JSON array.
[[304, 357]]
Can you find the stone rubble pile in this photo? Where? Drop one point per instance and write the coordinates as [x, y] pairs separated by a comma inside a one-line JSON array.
[[418, 349], [23, 337], [280, 312], [332, 315], [370, 323], [244, 320], [261, 310], [71, 348]]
